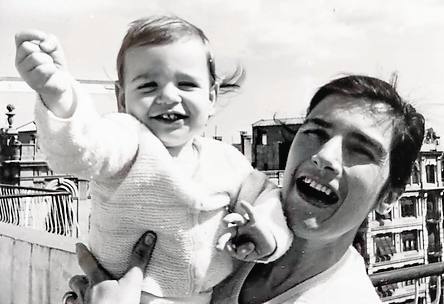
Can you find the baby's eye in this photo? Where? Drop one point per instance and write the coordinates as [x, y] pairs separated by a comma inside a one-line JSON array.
[[187, 85], [147, 86]]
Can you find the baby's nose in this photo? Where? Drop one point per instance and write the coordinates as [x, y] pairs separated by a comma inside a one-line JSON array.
[[169, 94]]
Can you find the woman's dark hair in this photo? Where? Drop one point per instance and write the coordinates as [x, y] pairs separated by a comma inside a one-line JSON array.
[[408, 124]]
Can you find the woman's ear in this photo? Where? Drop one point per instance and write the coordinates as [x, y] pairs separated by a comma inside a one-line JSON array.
[[120, 97], [387, 201]]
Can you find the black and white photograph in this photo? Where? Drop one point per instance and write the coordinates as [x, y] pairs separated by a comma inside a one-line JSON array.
[[221, 152]]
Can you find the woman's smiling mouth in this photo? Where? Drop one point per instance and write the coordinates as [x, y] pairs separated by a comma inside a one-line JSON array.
[[316, 193]]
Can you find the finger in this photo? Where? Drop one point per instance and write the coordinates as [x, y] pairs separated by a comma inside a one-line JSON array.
[[52, 47], [25, 50], [249, 210], [29, 35], [234, 219], [34, 60], [231, 249], [224, 239], [50, 44], [242, 251], [95, 272], [142, 251], [245, 249], [70, 297], [132, 280], [79, 284]]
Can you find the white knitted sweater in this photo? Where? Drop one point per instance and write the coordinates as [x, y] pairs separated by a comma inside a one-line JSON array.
[[137, 187]]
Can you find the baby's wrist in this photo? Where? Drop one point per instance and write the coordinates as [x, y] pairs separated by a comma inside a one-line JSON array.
[[60, 102]]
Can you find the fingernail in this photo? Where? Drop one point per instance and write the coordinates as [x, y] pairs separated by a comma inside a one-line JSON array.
[[149, 239]]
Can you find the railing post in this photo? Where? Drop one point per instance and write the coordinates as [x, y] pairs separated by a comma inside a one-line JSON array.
[[438, 290], [416, 291]]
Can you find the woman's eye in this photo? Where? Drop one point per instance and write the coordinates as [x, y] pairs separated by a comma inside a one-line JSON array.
[[319, 133], [364, 152], [147, 86]]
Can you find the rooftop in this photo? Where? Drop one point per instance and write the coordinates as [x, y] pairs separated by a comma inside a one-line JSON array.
[[278, 121]]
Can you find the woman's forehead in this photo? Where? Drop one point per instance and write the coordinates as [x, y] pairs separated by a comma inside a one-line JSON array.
[[349, 114]]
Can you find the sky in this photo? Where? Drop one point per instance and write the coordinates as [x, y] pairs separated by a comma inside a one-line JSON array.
[[288, 48]]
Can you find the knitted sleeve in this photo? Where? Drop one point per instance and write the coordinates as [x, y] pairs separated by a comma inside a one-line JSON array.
[[86, 144]]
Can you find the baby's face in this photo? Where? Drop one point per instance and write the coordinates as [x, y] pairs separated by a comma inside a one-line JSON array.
[[167, 88]]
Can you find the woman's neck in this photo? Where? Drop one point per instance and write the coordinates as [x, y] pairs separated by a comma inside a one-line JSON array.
[[302, 261]]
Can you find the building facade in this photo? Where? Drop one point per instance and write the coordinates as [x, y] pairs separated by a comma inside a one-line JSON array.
[[271, 140], [412, 232]]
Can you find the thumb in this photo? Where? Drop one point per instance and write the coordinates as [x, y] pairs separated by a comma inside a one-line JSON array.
[[90, 266], [139, 260], [142, 251]]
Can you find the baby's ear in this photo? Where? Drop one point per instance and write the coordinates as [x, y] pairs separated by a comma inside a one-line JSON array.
[[120, 97], [214, 92]]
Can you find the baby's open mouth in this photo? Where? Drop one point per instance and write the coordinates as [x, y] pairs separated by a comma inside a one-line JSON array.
[[170, 117], [316, 193]]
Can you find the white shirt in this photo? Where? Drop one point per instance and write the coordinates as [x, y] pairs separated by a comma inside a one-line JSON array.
[[346, 282]]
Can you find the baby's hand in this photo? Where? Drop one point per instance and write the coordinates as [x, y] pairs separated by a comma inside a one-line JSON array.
[[248, 238], [41, 63]]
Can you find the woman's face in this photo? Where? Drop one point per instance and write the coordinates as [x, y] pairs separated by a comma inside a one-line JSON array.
[[337, 166]]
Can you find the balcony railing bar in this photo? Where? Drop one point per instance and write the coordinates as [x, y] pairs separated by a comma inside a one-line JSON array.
[[19, 188], [409, 273], [53, 211], [35, 194]]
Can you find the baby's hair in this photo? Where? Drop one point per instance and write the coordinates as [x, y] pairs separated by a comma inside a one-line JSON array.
[[161, 30]]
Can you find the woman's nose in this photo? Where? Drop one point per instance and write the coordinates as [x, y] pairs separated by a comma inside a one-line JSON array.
[[329, 156]]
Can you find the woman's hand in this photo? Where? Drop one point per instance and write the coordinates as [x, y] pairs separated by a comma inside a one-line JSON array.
[[98, 287]]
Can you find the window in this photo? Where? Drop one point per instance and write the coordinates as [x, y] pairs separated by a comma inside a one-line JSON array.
[[264, 139], [384, 247], [433, 237], [433, 212], [430, 174], [408, 206], [409, 240], [442, 171], [415, 175]]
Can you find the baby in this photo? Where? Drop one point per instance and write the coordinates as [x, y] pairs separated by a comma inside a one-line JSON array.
[[149, 167]]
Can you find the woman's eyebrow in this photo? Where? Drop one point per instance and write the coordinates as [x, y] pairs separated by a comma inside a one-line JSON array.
[[318, 121], [370, 142]]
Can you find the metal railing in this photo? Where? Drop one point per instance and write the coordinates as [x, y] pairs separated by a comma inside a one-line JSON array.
[[414, 273], [48, 210]]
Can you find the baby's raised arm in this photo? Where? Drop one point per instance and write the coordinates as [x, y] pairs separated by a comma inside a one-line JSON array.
[[41, 63]]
